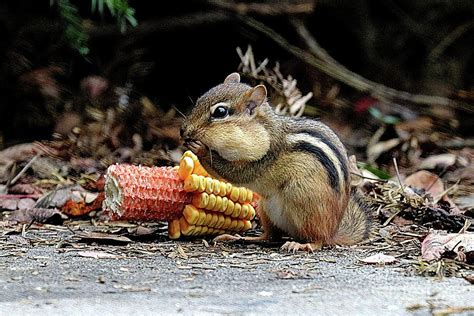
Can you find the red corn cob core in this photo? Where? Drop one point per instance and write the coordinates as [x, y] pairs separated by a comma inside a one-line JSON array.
[[144, 193]]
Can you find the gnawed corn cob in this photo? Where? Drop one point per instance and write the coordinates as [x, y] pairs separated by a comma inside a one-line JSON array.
[[190, 200]]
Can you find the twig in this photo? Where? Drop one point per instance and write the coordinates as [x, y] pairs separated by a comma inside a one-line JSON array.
[[25, 168], [449, 39], [398, 173], [273, 8], [348, 77]]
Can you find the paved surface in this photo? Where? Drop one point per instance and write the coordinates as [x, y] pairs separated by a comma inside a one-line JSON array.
[[190, 278]]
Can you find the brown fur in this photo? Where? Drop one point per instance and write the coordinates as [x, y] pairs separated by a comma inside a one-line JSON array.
[[251, 147]]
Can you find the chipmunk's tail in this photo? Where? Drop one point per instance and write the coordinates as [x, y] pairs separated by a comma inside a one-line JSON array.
[[356, 224]]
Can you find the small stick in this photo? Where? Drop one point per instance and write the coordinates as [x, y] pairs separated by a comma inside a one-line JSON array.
[[398, 173], [25, 168]]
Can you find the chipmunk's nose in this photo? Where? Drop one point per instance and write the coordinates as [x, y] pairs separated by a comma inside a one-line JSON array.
[[181, 132]]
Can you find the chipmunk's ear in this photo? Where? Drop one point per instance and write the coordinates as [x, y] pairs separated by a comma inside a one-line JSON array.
[[232, 78], [256, 97]]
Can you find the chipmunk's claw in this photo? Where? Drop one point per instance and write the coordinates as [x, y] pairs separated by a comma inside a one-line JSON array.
[[227, 237], [293, 246]]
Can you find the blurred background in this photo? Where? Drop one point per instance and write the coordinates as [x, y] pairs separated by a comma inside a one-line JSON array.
[[111, 77]]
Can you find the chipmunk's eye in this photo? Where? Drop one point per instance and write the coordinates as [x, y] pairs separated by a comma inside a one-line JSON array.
[[219, 112]]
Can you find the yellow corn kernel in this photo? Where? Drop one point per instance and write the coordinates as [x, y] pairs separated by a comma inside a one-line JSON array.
[[230, 208], [247, 225], [249, 196], [208, 219], [210, 231], [220, 221], [200, 200], [242, 195], [202, 184], [209, 185], [191, 183], [222, 188], [251, 213], [197, 231], [212, 202], [204, 230], [199, 169], [237, 210], [218, 204], [191, 155], [201, 218], [185, 227], [191, 214], [186, 166], [225, 202], [240, 226], [174, 232], [233, 224], [216, 186], [227, 222], [214, 220], [228, 188], [234, 194], [244, 211]]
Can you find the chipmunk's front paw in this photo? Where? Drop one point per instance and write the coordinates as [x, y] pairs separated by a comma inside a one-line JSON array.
[[293, 246], [226, 237]]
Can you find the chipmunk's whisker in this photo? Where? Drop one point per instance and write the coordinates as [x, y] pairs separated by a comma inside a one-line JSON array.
[[210, 154], [179, 112]]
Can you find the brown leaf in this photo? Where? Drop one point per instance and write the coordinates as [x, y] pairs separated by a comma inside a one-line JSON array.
[[427, 181], [438, 242], [102, 237], [39, 215], [431, 183], [469, 278]]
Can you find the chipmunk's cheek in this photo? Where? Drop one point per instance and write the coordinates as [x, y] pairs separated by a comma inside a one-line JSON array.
[[241, 144]]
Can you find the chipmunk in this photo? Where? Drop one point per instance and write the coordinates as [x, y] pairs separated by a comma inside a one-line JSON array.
[[298, 166]]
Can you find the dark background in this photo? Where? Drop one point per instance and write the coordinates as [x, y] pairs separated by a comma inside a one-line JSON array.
[[182, 48]]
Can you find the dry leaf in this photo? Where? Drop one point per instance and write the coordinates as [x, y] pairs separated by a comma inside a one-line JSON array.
[[380, 258], [442, 161], [39, 215], [373, 152], [431, 183], [438, 242], [102, 237], [97, 255], [469, 278]]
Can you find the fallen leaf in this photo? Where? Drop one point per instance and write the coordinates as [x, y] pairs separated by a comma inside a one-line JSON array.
[[432, 184], [39, 215], [25, 188], [438, 242], [469, 278], [373, 152], [427, 181], [102, 237], [97, 255], [379, 258], [442, 161], [26, 204]]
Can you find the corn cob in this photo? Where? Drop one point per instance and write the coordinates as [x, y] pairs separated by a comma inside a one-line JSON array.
[[186, 196]]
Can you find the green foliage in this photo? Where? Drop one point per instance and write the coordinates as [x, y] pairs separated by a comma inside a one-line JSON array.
[[75, 32], [378, 172], [119, 9]]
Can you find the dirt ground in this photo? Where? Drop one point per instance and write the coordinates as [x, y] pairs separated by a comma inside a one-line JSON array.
[[46, 272]]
